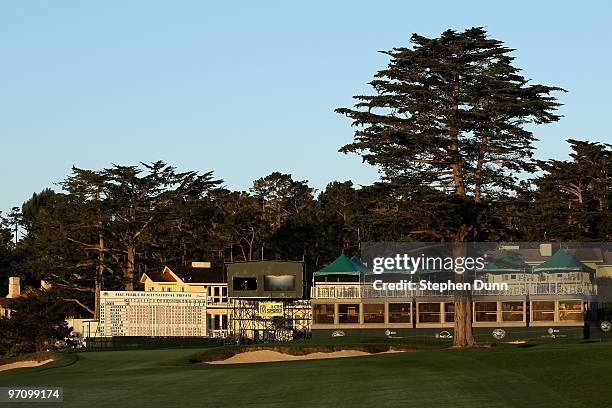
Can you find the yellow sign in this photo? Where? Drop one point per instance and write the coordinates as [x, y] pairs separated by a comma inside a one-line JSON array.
[[270, 309]]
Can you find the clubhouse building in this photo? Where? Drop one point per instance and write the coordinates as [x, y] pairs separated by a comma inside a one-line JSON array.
[[541, 288], [543, 291]]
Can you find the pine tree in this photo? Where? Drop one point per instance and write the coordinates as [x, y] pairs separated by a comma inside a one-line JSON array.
[[572, 201], [449, 113]]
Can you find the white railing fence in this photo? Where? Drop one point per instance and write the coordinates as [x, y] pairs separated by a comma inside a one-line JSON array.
[[367, 291]]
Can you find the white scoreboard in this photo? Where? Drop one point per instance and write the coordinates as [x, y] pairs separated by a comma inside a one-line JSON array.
[[154, 314]]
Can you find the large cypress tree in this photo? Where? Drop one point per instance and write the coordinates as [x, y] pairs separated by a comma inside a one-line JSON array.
[[449, 113]]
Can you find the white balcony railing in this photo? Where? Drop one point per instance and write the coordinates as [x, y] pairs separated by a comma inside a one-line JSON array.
[[367, 291]]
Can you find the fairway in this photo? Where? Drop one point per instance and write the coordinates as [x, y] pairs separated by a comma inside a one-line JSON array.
[[546, 375]]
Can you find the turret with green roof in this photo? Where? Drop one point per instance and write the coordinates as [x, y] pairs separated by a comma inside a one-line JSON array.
[[341, 266], [506, 262], [562, 261]]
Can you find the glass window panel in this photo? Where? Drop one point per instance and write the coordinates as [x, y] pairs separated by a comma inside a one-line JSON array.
[[429, 312], [513, 311], [449, 312], [399, 313], [485, 311], [348, 313], [374, 313], [570, 310], [543, 311], [324, 314]]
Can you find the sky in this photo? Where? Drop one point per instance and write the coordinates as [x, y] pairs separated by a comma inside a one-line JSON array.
[[247, 88]]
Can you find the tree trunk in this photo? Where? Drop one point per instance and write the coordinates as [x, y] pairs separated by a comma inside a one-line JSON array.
[[454, 148], [98, 287], [98, 278], [129, 270], [479, 169], [463, 337], [101, 262]]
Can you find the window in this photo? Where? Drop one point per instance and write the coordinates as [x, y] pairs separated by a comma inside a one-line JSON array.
[[245, 283], [348, 313], [513, 311], [485, 311], [570, 310], [429, 312], [279, 283], [324, 314], [449, 312], [543, 311], [399, 313], [374, 313], [217, 294]]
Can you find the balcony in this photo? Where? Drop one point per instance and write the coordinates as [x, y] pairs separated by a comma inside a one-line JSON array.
[[367, 291], [562, 288], [355, 291]]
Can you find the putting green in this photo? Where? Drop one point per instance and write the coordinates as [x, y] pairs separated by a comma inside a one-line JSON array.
[[544, 375]]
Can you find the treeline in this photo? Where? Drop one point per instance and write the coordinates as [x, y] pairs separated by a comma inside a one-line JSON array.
[[106, 227]]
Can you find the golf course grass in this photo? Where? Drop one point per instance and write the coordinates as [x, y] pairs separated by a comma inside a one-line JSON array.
[[542, 375]]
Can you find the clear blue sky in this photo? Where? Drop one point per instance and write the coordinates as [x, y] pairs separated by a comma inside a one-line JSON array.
[[248, 88]]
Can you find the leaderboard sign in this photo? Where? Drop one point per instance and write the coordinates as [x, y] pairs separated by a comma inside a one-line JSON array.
[[152, 314]]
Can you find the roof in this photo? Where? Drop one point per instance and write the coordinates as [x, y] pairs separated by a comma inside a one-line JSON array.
[[189, 274], [159, 276], [562, 261], [357, 262], [506, 261], [592, 254], [341, 266], [532, 255]]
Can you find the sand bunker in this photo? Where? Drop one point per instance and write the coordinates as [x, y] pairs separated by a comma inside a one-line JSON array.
[[24, 364], [268, 356]]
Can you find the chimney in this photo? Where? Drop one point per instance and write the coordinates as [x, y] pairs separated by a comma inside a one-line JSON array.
[[200, 264], [546, 249], [44, 285], [14, 288]]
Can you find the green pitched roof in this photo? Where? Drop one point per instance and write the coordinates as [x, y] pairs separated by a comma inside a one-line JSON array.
[[341, 266], [357, 262], [562, 261], [505, 261]]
